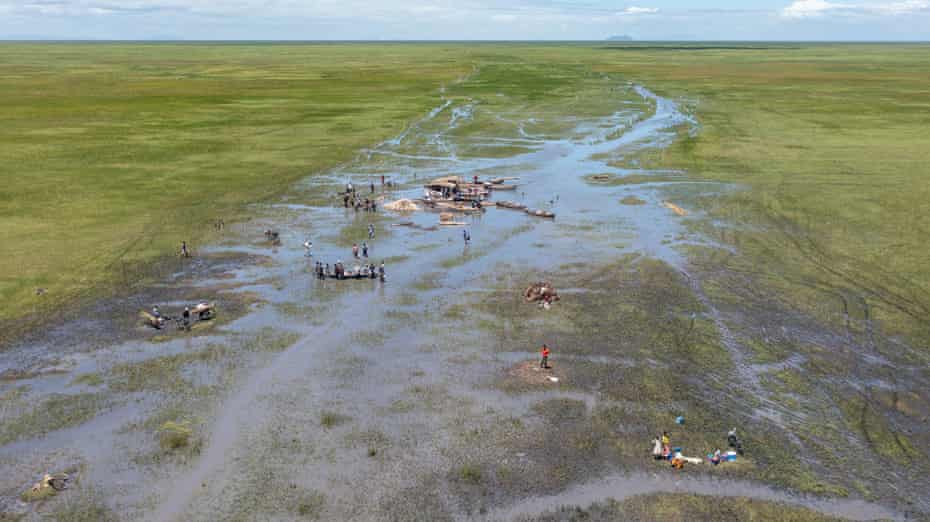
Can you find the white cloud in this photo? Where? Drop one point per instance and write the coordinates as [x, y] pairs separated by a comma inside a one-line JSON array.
[[811, 8], [634, 10], [905, 7], [817, 8]]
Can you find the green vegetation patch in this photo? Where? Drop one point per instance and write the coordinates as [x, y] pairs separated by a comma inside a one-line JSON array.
[[55, 412], [173, 436], [331, 419], [679, 507], [88, 379], [161, 373]]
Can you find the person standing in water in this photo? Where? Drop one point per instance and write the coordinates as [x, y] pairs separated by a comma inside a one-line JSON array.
[[466, 236], [308, 246], [365, 250], [355, 251], [371, 231], [184, 251], [186, 318]]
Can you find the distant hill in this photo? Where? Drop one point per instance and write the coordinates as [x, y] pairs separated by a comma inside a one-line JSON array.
[[620, 38]]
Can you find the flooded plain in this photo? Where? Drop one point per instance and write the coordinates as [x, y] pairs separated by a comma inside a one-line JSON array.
[[363, 400]]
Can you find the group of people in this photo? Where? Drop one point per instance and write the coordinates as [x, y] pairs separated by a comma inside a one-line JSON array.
[[351, 199], [662, 447], [662, 450], [368, 271], [364, 250], [203, 311], [274, 236], [357, 203]]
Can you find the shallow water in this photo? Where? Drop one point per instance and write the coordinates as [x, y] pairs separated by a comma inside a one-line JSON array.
[[621, 487], [332, 364]]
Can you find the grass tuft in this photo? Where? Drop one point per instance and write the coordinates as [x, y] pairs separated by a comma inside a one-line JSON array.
[[173, 436]]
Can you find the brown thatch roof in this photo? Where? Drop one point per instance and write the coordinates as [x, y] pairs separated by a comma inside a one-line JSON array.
[[455, 180]]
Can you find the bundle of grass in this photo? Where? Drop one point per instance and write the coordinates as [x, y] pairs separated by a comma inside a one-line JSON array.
[[632, 200], [46, 488], [173, 436], [38, 493], [151, 320], [675, 208], [402, 205]]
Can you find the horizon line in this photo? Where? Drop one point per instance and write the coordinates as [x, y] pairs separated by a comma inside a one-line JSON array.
[[263, 40]]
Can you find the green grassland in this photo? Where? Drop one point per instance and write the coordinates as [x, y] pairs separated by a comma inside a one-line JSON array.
[[113, 153], [829, 143]]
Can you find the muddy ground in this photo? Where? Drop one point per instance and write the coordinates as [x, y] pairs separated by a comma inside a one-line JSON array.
[[421, 398]]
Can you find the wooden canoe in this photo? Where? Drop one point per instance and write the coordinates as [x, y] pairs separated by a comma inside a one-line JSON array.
[[511, 204], [540, 213]]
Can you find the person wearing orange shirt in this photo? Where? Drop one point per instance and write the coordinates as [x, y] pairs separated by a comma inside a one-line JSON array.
[[545, 357]]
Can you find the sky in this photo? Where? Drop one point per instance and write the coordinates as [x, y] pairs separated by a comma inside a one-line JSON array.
[[465, 19]]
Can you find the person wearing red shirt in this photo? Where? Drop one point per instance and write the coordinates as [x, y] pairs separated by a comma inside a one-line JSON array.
[[545, 357]]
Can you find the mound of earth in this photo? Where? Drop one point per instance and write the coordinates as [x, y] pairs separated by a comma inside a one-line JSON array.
[[529, 372]]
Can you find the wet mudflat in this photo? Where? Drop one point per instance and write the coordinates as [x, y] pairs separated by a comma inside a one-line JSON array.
[[418, 398]]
